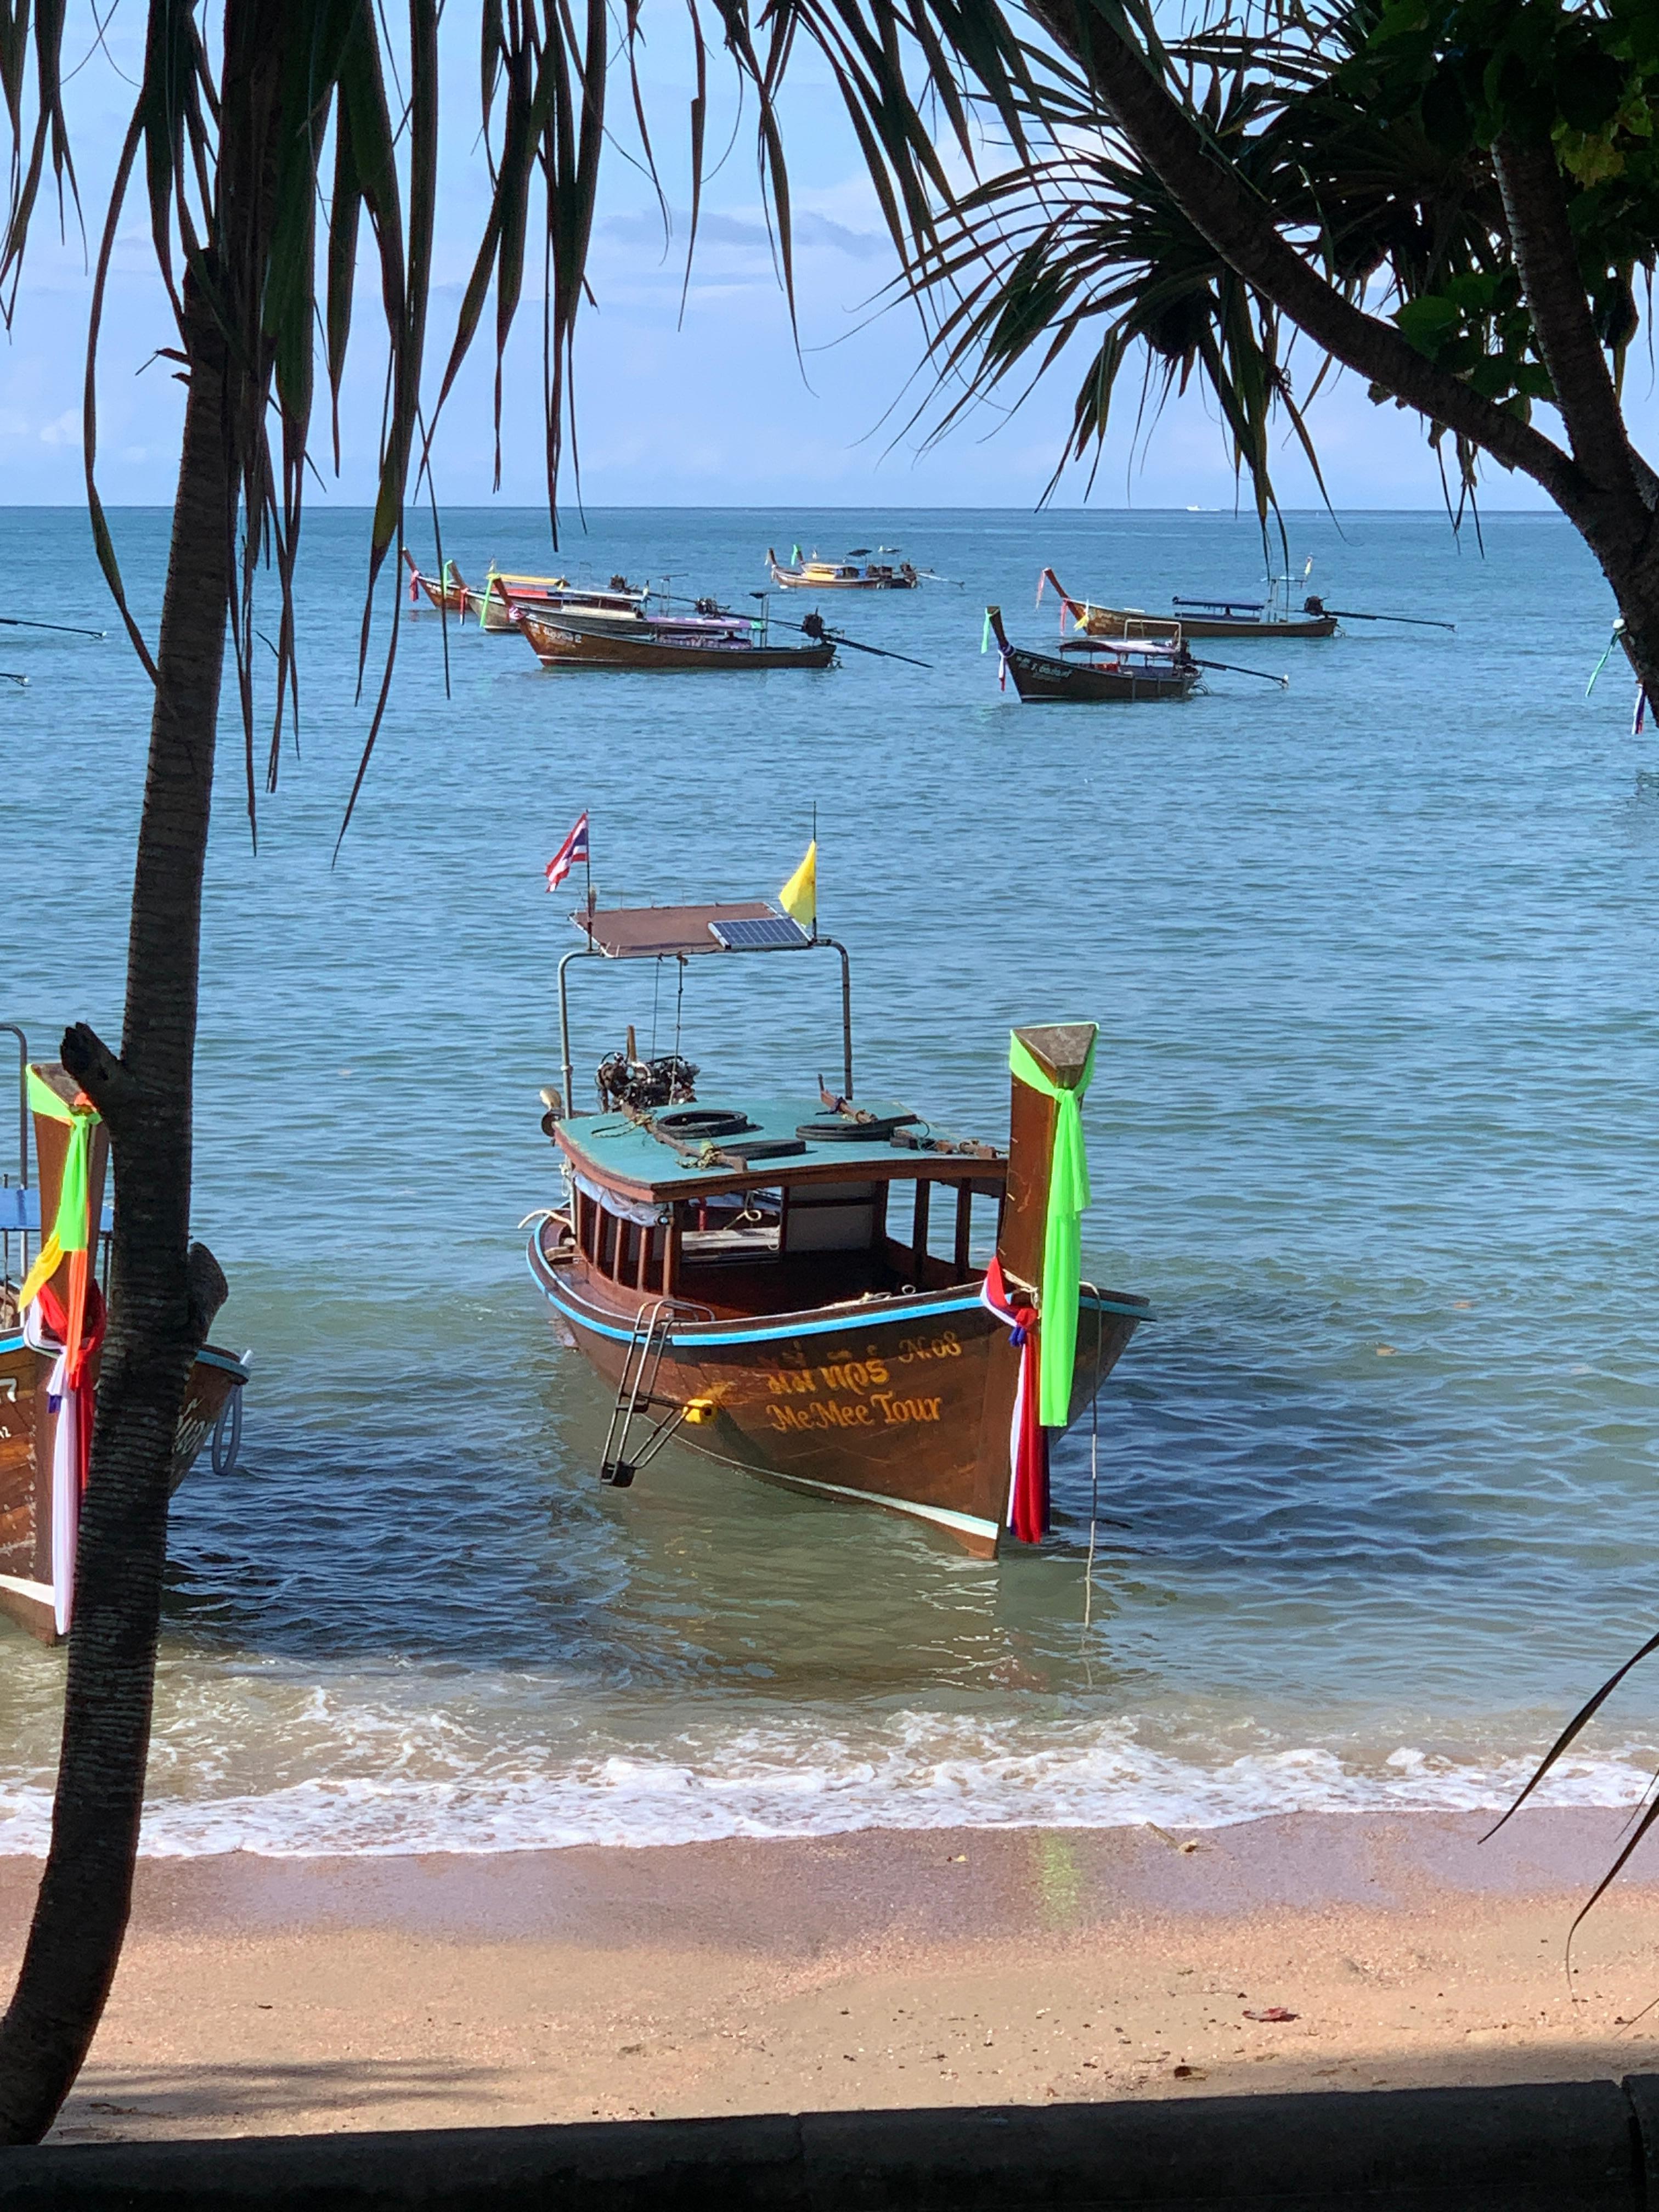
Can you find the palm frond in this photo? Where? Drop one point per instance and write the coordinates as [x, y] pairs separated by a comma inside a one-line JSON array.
[[36, 30]]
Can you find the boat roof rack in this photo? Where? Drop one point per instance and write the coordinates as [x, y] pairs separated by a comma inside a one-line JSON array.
[[667, 933], [677, 932]]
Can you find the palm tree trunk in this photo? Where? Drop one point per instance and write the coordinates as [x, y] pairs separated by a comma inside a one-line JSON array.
[[161, 1292]]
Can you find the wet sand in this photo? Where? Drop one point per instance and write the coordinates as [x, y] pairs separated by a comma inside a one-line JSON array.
[[974, 1965]]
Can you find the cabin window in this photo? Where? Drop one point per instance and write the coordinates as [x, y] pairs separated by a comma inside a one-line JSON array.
[[938, 1232], [981, 1218], [910, 1225], [830, 1217], [636, 1252]]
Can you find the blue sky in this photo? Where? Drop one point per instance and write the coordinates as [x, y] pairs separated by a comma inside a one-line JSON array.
[[718, 412]]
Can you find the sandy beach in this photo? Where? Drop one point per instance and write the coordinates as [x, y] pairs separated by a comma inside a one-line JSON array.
[[259, 1995]]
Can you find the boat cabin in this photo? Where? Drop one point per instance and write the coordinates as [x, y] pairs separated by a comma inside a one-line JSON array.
[[783, 1204], [746, 1206]]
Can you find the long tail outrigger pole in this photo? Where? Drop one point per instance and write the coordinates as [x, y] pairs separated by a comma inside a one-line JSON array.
[[1231, 668], [839, 637], [70, 629], [1352, 614]]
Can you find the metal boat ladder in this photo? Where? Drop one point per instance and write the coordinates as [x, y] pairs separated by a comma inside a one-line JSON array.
[[638, 1407]]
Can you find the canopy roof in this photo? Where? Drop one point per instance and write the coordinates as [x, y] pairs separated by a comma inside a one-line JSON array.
[[615, 1151], [656, 932]]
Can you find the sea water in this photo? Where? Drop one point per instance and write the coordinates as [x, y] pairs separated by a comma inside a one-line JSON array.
[[1373, 1501]]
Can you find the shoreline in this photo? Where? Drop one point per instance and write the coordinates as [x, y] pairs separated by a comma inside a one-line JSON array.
[[878, 1968]]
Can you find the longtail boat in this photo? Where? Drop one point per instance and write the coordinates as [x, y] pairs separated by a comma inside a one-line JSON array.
[[447, 593], [492, 607], [672, 644], [51, 1326], [1091, 671], [1270, 617], [842, 1298], [815, 575]]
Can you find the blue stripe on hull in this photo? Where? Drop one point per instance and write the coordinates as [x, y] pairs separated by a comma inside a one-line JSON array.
[[696, 1334]]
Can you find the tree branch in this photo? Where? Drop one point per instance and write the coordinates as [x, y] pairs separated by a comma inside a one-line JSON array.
[[1540, 237], [1242, 231]]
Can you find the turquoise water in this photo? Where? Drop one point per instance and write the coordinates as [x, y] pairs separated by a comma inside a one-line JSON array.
[[1373, 1124]]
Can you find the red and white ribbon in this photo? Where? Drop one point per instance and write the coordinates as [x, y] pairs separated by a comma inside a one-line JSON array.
[[1027, 1440], [44, 1326]]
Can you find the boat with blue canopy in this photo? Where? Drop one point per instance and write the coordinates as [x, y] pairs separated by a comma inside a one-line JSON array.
[[832, 1293]]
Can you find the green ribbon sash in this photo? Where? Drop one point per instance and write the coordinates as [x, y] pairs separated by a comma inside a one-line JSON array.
[[72, 1231], [1062, 1239]]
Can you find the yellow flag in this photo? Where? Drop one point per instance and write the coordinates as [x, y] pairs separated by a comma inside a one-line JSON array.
[[800, 896]]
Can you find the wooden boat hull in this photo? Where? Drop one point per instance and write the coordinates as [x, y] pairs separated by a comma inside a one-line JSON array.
[[582, 645], [902, 1403], [1044, 679], [790, 579], [1241, 626], [26, 1441], [453, 601], [447, 598]]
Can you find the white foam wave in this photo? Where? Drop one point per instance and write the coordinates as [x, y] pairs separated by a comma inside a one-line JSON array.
[[918, 1771]]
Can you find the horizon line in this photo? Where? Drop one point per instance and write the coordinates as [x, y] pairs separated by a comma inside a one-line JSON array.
[[1544, 508]]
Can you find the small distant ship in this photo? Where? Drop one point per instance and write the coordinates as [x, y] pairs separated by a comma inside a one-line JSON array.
[[800, 574], [1271, 618]]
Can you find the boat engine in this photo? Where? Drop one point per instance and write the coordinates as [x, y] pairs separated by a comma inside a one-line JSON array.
[[643, 1083]]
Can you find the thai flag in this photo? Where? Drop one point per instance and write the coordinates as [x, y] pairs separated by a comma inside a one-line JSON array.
[[574, 849]]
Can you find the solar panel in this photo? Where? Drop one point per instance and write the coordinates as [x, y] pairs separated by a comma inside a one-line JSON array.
[[764, 933]]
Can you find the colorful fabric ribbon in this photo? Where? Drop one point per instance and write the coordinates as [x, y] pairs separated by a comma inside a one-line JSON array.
[[1062, 1240], [1027, 1440], [70, 1236], [45, 1329]]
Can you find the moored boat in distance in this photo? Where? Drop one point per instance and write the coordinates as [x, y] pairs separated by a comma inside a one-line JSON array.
[[666, 644], [42, 1443], [1268, 617], [840, 1298], [815, 575], [447, 593], [492, 607], [1097, 672]]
